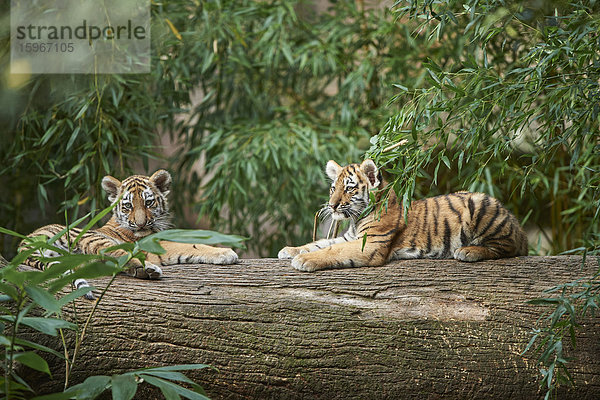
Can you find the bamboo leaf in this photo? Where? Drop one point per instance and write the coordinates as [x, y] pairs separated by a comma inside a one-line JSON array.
[[123, 386], [44, 299], [32, 360], [173, 29]]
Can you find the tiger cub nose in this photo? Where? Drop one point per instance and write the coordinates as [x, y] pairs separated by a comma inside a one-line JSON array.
[[139, 222], [140, 219]]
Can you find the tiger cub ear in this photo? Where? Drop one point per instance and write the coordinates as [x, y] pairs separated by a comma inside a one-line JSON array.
[[162, 180], [369, 168], [111, 186], [332, 170]]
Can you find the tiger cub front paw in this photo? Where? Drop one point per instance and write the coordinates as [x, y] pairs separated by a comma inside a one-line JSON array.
[[149, 271], [308, 262], [290, 252], [82, 283], [226, 256]]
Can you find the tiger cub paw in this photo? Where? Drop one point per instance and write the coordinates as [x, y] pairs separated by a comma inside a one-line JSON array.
[[153, 271], [149, 271], [81, 283], [471, 253], [227, 256], [307, 262], [290, 252]]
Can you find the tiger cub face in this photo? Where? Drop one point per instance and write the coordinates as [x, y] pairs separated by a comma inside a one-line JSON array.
[[143, 207], [350, 186]]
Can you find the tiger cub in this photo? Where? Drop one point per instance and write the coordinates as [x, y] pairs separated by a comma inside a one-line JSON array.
[[465, 226], [141, 211]]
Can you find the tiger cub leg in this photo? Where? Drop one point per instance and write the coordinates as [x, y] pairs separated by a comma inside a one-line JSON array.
[[291, 252], [342, 255], [185, 253]]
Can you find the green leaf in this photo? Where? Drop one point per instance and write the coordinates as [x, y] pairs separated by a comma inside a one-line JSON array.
[[63, 264], [434, 79], [37, 346], [97, 218], [11, 233], [14, 276], [446, 161], [531, 341], [91, 388], [180, 367], [19, 259], [16, 386], [172, 390], [57, 396], [123, 386], [33, 361], [167, 390], [43, 193], [74, 294], [401, 87], [63, 231], [82, 111], [4, 341], [48, 135], [43, 298], [544, 302], [193, 237], [151, 246], [128, 247], [89, 271], [73, 137], [9, 290], [170, 375], [49, 326]]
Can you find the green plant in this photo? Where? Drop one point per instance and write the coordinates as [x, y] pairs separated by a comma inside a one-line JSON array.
[[508, 106], [25, 291], [124, 386], [505, 109], [571, 304]]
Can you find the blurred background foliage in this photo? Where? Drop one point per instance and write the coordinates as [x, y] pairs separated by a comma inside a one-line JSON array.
[[247, 100]]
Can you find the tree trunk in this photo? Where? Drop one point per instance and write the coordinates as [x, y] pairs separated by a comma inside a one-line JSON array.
[[411, 329]]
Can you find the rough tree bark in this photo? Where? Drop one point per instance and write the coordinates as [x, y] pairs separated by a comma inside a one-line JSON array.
[[411, 329]]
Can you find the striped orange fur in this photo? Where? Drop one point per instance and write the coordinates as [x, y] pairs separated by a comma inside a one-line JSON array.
[[142, 210], [465, 226]]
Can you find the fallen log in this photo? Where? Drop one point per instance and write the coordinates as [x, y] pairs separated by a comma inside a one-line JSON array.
[[411, 329]]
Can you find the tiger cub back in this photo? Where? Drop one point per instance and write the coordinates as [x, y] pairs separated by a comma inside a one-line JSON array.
[[465, 226]]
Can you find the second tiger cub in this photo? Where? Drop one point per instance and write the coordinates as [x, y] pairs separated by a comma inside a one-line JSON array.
[[465, 226]]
